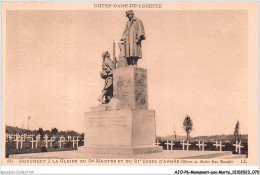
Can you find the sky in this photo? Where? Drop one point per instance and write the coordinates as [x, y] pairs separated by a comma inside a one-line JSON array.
[[196, 60]]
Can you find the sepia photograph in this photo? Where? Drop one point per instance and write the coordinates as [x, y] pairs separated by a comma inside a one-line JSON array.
[[129, 83]]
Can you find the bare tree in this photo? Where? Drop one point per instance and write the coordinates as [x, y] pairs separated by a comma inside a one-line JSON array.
[[188, 126]]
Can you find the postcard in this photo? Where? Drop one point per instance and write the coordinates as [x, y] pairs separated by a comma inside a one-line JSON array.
[[129, 83]]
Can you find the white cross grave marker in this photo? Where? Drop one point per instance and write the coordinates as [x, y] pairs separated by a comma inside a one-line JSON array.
[[238, 146], [13, 136], [185, 144], [16, 135], [22, 139], [82, 140], [188, 145], [33, 141], [75, 140], [62, 138], [201, 145], [52, 140], [60, 141], [219, 145], [46, 140], [6, 136], [37, 139], [69, 138], [17, 141], [157, 142], [24, 135], [169, 143], [172, 144]]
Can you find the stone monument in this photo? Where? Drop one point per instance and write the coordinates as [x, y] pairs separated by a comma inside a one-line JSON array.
[[125, 125]]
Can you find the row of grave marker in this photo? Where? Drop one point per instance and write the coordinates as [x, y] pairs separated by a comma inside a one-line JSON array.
[[201, 145], [13, 136], [20, 139]]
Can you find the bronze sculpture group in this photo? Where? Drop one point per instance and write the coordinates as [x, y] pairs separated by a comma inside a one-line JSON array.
[[130, 52]]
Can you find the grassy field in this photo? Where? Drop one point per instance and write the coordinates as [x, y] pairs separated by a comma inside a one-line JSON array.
[[41, 147], [209, 146]]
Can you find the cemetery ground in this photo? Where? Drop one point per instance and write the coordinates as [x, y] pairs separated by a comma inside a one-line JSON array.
[[41, 147], [170, 154], [21, 141], [171, 150], [42, 144]]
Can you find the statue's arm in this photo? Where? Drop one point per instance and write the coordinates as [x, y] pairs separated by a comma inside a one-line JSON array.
[[141, 32], [111, 65]]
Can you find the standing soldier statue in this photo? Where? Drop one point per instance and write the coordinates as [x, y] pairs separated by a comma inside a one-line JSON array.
[[132, 37]]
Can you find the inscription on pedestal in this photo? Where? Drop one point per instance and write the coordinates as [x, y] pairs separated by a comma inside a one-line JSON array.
[[131, 87], [120, 128], [108, 122], [108, 128]]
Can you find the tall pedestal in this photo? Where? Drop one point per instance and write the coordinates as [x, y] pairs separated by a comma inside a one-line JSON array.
[[125, 125], [130, 86]]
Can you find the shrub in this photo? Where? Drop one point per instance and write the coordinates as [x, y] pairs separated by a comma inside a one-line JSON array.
[[67, 145], [44, 149]]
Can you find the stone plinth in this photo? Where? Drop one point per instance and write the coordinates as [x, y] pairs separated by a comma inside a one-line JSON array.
[[124, 125], [120, 132], [130, 86]]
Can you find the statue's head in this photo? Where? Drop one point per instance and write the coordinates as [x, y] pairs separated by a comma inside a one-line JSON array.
[[130, 14], [105, 54]]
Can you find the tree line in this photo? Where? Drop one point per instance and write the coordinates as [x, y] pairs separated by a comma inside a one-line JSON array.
[[188, 127]]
